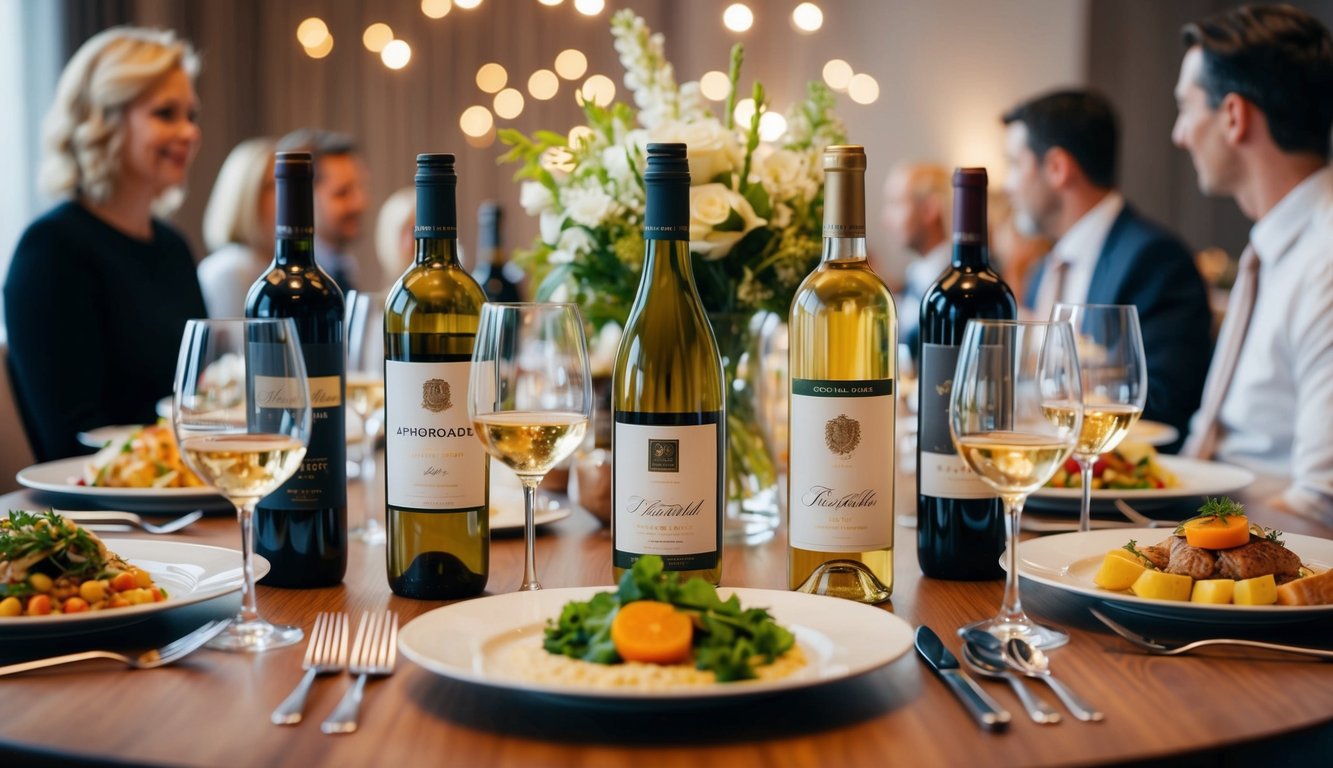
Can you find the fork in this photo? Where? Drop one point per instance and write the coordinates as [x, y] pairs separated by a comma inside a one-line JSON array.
[[374, 653], [1160, 648], [108, 516], [1138, 517], [327, 653], [160, 657]]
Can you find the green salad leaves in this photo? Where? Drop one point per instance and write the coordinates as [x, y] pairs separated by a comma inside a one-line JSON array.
[[728, 639]]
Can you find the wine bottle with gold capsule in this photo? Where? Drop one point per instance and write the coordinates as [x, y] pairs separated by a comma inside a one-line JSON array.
[[843, 332]]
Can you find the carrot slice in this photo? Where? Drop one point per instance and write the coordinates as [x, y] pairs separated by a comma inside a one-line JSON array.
[[652, 632], [1211, 532]]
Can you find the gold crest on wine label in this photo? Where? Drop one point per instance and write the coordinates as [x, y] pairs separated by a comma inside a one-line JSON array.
[[842, 435], [435, 396]]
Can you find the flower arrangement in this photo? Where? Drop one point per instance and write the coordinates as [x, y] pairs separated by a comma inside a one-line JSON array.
[[756, 207]]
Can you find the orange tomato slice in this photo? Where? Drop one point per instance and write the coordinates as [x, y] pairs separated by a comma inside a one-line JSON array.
[[652, 632], [1217, 532]]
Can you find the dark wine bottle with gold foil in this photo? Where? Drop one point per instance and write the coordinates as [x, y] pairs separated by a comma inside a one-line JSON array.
[[437, 473]]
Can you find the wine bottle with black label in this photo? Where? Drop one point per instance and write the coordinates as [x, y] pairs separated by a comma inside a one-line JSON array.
[[667, 475], [301, 528], [437, 473], [960, 521]]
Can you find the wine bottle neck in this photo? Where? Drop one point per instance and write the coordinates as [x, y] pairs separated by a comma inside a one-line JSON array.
[[844, 249], [289, 252], [437, 250], [294, 233], [971, 255]]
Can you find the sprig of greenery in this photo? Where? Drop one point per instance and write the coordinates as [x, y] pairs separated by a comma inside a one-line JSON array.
[[1133, 548], [1219, 509], [27, 533], [727, 637]]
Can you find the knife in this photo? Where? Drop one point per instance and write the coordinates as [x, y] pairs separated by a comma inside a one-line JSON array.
[[989, 715]]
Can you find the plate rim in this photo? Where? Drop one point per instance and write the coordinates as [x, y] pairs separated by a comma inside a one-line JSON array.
[[890, 649], [1245, 477], [1169, 433], [73, 466]]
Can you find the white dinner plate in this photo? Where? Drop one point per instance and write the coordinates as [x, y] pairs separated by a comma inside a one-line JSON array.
[[60, 477], [1196, 477], [507, 502], [470, 641], [1068, 561], [190, 573], [1152, 433]]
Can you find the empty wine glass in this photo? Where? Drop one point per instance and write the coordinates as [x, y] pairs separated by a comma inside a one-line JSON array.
[[1115, 382], [242, 417], [530, 396], [1014, 414], [365, 396]]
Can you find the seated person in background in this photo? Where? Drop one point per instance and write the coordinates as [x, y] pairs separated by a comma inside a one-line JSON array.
[[918, 211], [1062, 167], [1013, 254], [99, 289], [395, 241], [1255, 115], [238, 227], [340, 199]]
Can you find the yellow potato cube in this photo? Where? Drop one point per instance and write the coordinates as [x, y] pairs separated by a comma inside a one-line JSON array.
[[1213, 591], [1118, 572], [10, 606], [1261, 590], [1159, 585]]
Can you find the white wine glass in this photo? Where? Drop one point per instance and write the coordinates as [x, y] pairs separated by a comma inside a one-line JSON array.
[[365, 398], [1115, 383], [530, 396], [1014, 414], [242, 417]]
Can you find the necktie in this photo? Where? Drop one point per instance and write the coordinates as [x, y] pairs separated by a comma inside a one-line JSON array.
[[1202, 442], [1052, 289]]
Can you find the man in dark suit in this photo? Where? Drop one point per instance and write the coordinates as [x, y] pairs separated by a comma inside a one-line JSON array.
[[1061, 149]]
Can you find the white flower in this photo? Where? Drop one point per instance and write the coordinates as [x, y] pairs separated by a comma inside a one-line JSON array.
[[616, 161], [713, 150], [781, 216], [784, 174], [587, 205], [573, 242], [535, 197], [711, 206], [549, 225]]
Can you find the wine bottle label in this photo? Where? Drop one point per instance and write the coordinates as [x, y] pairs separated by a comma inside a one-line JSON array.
[[437, 461], [321, 480], [943, 473], [667, 491], [842, 465]]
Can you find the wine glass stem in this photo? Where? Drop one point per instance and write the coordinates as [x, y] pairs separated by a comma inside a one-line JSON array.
[[1011, 610], [1085, 464], [245, 514], [530, 582]]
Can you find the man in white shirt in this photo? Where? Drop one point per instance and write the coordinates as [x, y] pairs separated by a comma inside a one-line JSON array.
[[918, 208], [1255, 99], [1062, 159]]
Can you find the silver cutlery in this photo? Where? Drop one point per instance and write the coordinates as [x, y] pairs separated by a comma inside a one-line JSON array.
[[326, 654], [1029, 660], [374, 653], [92, 519], [988, 714], [160, 657], [1141, 519], [988, 660], [1161, 648]]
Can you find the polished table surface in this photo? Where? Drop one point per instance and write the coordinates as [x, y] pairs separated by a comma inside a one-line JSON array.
[[213, 708]]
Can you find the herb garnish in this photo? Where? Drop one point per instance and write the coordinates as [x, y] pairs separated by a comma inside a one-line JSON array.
[[1219, 509], [726, 636], [72, 550], [1133, 548]]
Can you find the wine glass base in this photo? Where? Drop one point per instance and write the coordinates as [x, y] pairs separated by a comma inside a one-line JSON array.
[[1038, 635], [256, 636], [369, 534]]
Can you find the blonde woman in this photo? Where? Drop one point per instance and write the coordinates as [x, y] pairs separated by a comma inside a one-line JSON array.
[[238, 227], [99, 289], [395, 245]]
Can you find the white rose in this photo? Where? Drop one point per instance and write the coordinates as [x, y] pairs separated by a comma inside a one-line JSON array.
[[588, 205], [711, 205], [573, 242], [534, 197], [713, 150], [549, 225], [616, 161], [783, 173]]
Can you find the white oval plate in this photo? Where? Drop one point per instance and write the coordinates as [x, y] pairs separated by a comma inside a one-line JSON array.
[[507, 502], [1152, 433], [191, 573], [1068, 562], [1197, 478], [468, 641], [60, 476]]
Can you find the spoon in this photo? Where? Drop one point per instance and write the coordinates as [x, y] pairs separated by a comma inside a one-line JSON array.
[[981, 661], [1028, 659]]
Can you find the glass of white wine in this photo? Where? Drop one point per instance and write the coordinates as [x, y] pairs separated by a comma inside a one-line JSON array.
[[365, 397], [1015, 411], [1115, 383], [530, 396], [242, 417]]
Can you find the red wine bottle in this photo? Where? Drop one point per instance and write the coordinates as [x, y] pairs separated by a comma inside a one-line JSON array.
[[301, 528], [960, 522], [497, 276]]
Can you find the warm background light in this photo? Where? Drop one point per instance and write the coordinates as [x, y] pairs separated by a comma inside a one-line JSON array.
[[715, 85], [599, 90], [738, 17], [476, 121], [467, 4], [863, 89], [312, 32], [491, 77], [744, 113], [376, 36], [571, 64], [396, 54], [550, 2], [807, 17], [838, 74], [589, 7], [509, 103], [321, 50], [436, 9], [543, 84], [771, 126]]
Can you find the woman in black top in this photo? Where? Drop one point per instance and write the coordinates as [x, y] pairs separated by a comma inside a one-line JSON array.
[[99, 290]]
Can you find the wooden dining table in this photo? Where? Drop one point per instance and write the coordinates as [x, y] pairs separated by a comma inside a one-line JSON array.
[[212, 709]]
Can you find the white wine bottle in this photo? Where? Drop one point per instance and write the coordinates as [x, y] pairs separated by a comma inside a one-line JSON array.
[[843, 333], [667, 477], [437, 474]]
